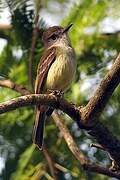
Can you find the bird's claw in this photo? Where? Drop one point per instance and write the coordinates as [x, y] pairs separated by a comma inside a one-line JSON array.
[[58, 93]]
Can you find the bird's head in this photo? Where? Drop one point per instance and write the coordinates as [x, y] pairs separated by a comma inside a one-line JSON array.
[[56, 34]]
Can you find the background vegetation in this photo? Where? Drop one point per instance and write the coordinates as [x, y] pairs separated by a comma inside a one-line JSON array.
[[95, 49]]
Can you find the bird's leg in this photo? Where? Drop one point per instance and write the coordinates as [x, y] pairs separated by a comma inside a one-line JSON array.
[[57, 93]]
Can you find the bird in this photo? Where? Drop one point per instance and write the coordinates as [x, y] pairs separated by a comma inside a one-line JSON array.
[[55, 71]]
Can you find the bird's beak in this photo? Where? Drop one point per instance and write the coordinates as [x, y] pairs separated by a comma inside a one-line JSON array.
[[66, 29]]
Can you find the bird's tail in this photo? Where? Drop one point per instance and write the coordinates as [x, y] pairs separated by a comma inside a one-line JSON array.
[[38, 129]]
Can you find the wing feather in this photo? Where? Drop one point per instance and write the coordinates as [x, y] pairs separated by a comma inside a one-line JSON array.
[[43, 67]]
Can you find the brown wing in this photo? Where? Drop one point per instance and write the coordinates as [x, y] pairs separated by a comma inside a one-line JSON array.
[[43, 67]]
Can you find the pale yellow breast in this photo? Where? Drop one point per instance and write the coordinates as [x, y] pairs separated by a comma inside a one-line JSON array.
[[62, 71]]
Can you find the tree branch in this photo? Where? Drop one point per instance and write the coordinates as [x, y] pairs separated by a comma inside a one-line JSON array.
[[51, 164], [4, 31], [101, 133], [22, 90], [103, 93], [69, 139], [11, 85], [101, 170], [5, 27], [86, 117], [85, 163], [35, 99]]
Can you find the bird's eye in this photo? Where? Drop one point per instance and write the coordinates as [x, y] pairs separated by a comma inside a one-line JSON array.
[[53, 37]]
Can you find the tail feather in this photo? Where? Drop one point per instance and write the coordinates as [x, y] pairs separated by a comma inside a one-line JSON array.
[[38, 129]]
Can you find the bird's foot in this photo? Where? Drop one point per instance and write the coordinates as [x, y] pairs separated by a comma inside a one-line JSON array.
[[58, 93]]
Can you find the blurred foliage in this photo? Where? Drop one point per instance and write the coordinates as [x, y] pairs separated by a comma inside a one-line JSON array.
[[95, 50]]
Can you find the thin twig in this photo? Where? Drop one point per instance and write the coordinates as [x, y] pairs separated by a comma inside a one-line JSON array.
[[32, 51], [69, 139], [5, 27], [11, 85], [51, 163], [97, 146], [114, 166]]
